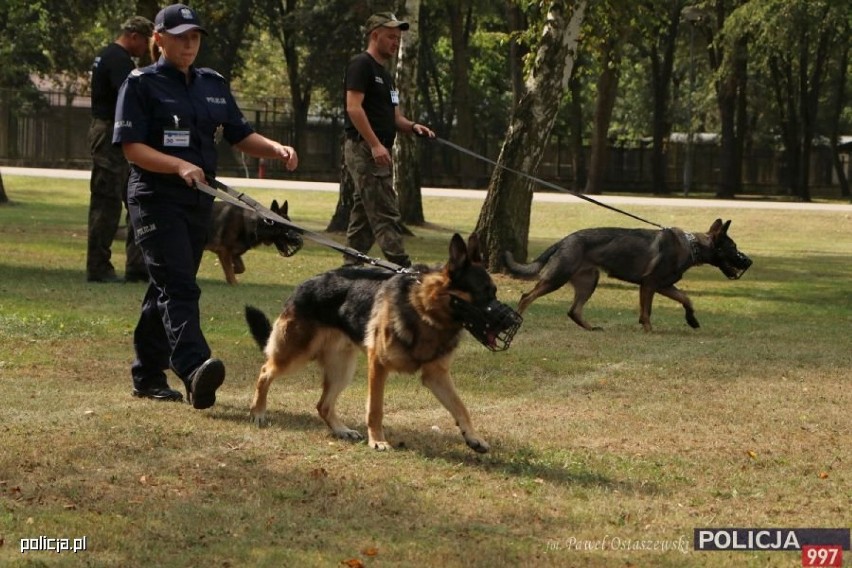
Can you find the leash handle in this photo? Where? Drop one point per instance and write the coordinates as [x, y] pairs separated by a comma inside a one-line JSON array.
[[541, 181]]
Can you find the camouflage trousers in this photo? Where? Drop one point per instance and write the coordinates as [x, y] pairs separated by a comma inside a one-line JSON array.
[[375, 210], [108, 189]]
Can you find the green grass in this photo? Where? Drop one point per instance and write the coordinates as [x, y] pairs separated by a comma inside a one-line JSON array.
[[619, 434]]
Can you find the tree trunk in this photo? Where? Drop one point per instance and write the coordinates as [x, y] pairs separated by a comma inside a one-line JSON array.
[[837, 112], [517, 52], [662, 63], [742, 120], [406, 161], [505, 216], [607, 89], [340, 220], [727, 102], [300, 87], [3, 198], [578, 151], [460, 16]]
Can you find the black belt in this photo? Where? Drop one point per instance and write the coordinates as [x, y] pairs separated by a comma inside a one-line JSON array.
[[356, 137]]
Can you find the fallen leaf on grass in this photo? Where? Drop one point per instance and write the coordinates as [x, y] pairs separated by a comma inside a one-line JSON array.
[[823, 475], [752, 455], [371, 551], [353, 563]]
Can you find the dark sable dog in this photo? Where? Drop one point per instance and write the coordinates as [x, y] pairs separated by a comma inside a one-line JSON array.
[[234, 230], [405, 322], [655, 260]]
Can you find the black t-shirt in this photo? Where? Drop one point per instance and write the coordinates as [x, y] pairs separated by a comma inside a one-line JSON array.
[[365, 75], [110, 69]]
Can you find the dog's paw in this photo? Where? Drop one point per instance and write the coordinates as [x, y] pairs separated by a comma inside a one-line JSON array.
[[347, 434], [382, 446], [693, 323], [259, 419], [477, 445]]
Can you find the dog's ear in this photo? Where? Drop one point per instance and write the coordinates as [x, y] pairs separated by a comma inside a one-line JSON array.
[[458, 253], [474, 251], [274, 206], [725, 227], [284, 212], [715, 227]]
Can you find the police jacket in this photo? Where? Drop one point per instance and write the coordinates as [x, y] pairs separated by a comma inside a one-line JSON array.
[[159, 107]]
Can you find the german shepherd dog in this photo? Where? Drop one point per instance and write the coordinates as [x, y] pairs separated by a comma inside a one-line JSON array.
[[655, 260], [234, 230], [405, 323]]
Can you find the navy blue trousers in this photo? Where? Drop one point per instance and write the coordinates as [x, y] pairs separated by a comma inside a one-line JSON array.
[[168, 334]]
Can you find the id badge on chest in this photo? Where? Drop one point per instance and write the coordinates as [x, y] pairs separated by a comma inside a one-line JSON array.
[[178, 138], [394, 97]]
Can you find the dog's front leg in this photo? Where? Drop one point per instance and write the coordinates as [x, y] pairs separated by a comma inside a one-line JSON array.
[[377, 374], [436, 377], [679, 295]]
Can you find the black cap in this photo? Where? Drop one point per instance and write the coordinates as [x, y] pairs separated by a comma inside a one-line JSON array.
[[177, 19], [385, 20]]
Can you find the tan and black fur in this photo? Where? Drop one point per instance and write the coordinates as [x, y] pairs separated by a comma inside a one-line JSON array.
[[404, 322], [235, 230], [655, 260]]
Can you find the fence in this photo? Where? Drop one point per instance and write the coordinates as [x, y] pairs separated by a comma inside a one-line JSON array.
[[56, 136]]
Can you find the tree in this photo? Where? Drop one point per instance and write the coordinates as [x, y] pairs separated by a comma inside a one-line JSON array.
[[729, 59], [505, 216], [228, 23], [610, 22], [793, 43], [3, 198], [841, 74], [659, 23], [317, 38]]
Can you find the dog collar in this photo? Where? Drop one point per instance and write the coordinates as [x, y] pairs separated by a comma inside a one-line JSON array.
[[694, 247]]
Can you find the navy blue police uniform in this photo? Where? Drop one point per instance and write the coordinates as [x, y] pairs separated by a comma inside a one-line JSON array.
[[178, 115]]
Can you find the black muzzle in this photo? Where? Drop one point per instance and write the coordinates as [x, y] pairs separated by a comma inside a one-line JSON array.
[[494, 326], [287, 241], [290, 245], [741, 263]]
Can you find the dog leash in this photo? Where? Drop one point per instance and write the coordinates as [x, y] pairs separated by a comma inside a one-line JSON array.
[[230, 195], [538, 180], [494, 326]]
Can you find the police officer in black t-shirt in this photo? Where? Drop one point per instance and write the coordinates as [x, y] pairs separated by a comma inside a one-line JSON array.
[[108, 184], [166, 119], [371, 122]]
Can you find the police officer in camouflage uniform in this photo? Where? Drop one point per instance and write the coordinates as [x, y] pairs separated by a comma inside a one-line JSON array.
[[108, 184], [166, 121], [371, 121]]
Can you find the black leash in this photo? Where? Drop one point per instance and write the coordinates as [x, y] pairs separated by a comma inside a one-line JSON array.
[[219, 190], [540, 181]]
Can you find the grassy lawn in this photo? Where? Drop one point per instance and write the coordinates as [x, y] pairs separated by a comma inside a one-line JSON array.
[[619, 437]]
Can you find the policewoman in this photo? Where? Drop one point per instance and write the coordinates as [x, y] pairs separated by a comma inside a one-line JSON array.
[[165, 121]]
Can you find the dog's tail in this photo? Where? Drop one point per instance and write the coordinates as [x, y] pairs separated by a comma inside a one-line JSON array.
[[259, 325], [532, 269]]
